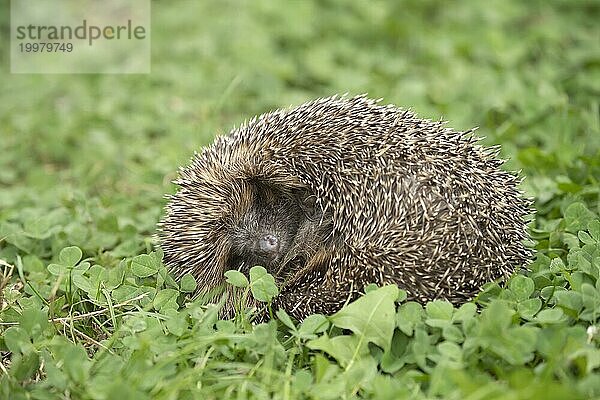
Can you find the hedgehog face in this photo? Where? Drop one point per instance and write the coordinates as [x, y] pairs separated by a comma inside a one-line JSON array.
[[271, 230]]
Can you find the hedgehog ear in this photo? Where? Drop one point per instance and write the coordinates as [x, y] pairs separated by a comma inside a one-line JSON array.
[[308, 203]]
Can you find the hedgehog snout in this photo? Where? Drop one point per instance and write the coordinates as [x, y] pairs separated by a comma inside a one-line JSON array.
[[269, 244], [264, 248]]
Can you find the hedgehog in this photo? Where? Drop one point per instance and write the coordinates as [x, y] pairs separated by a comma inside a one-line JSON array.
[[339, 193]]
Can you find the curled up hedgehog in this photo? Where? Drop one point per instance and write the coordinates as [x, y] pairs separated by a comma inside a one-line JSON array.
[[341, 192]]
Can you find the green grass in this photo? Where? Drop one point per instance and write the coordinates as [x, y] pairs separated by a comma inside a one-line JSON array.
[[87, 309]]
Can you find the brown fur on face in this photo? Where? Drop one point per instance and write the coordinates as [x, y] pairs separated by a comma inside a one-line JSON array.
[[287, 219]]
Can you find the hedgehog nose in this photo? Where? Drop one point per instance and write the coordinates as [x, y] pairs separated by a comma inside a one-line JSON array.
[[269, 244]]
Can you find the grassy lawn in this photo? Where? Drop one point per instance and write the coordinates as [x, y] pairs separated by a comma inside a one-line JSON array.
[[87, 310]]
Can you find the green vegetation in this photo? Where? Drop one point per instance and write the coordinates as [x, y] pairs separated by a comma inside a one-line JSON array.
[[87, 310]]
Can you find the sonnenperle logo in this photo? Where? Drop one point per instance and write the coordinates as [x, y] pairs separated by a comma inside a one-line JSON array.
[[80, 36]]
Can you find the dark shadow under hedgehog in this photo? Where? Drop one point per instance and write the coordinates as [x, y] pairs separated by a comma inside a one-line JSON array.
[[338, 193]]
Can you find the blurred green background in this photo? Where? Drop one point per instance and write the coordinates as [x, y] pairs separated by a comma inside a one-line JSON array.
[[98, 151]]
